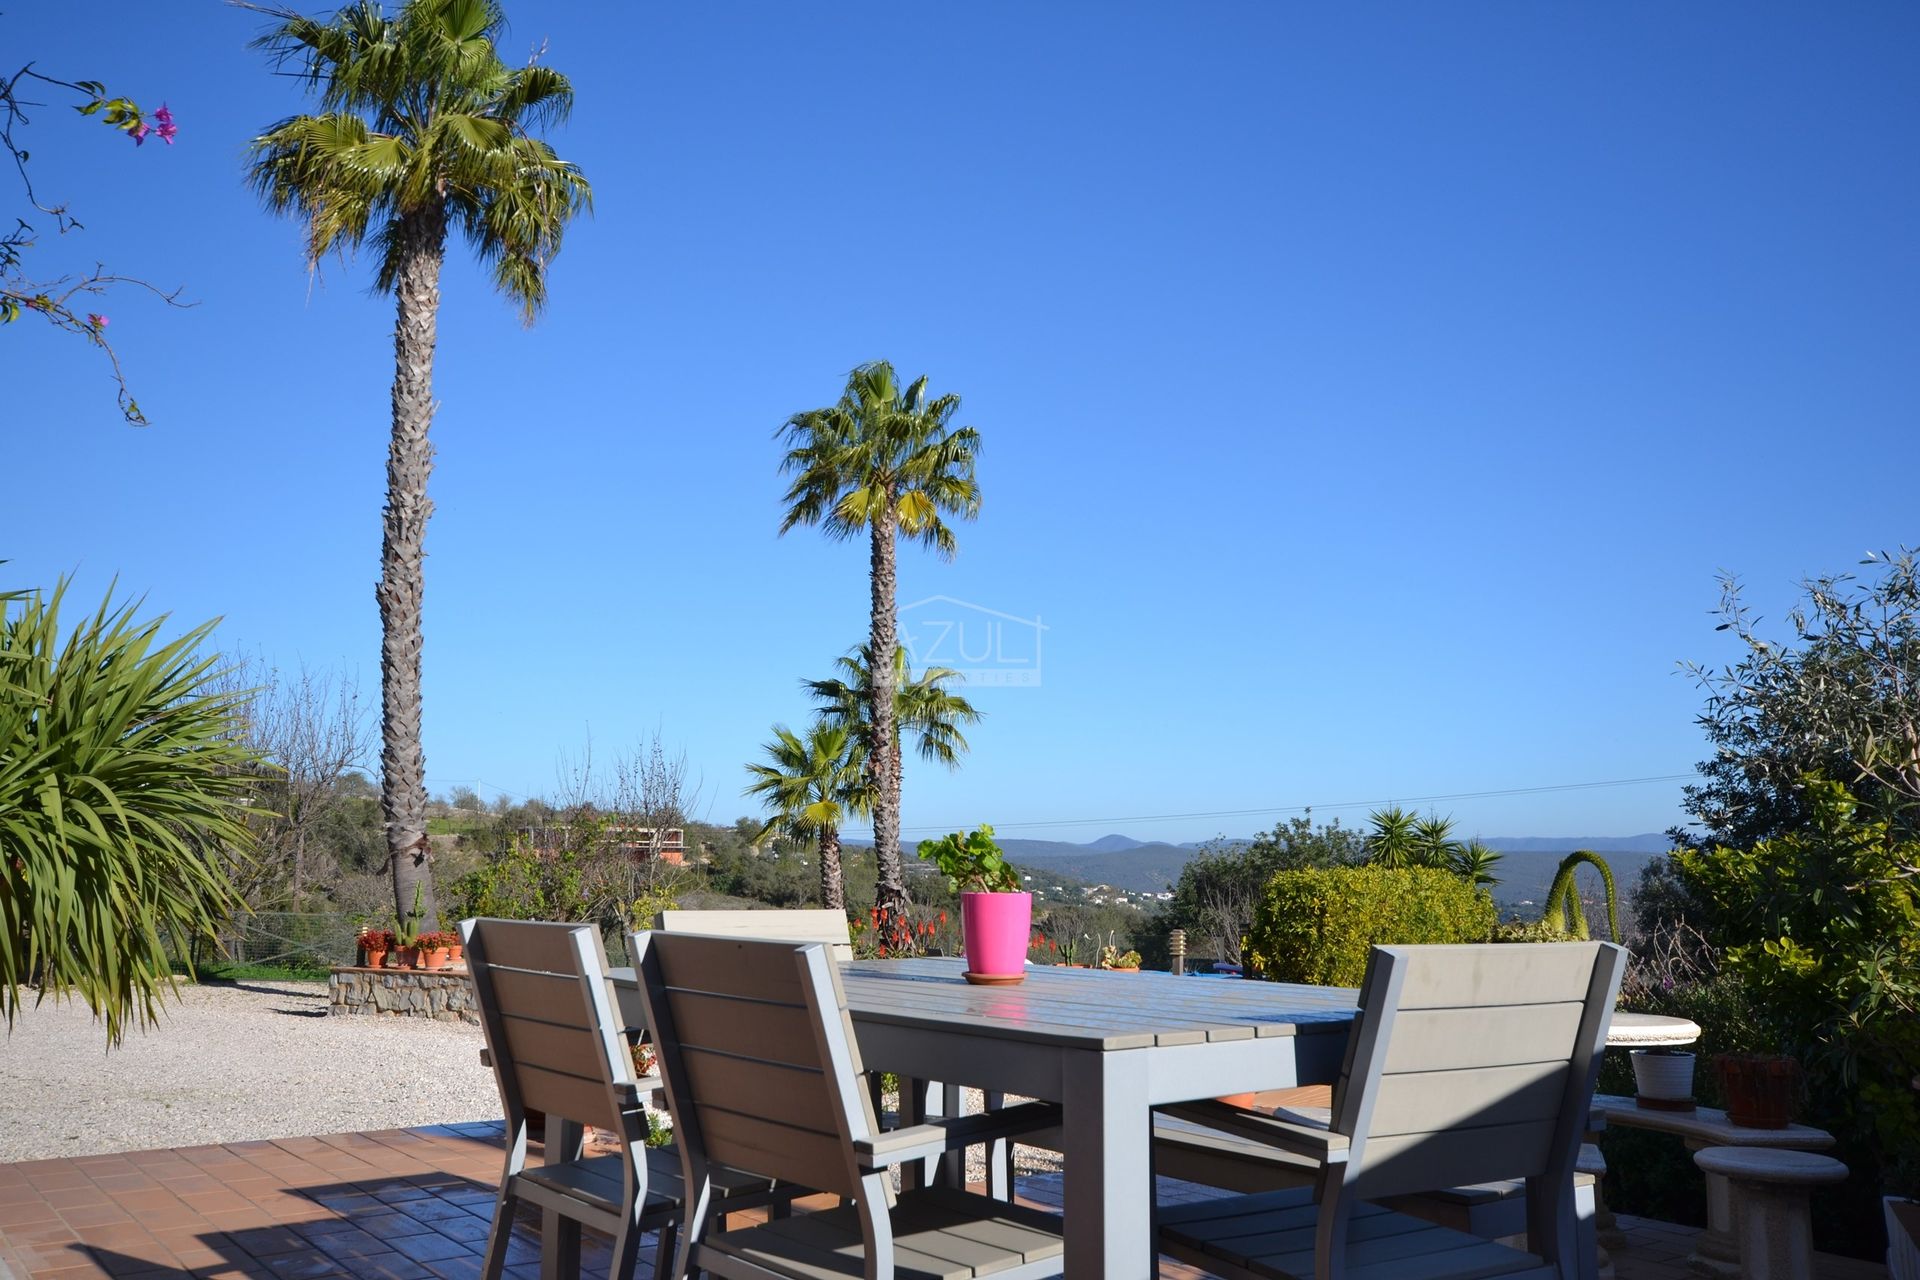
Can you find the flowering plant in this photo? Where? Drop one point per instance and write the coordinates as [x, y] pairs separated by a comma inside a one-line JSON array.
[[971, 862]]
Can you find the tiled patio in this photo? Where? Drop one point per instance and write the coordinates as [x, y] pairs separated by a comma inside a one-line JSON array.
[[410, 1204]]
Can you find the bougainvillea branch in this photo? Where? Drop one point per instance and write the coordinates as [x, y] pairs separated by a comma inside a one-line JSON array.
[[61, 300]]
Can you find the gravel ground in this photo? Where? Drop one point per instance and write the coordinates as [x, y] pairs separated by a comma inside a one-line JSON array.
[[250, 1060], [230, 1063]]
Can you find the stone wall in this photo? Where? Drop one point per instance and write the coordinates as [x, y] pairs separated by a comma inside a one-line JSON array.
[[442, 994]]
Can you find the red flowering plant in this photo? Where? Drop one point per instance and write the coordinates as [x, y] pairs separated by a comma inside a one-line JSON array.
[[890, 935]]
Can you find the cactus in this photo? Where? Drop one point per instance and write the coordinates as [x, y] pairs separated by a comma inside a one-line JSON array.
[[1565, 912]]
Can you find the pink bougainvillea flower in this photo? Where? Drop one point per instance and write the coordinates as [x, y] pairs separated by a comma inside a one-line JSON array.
[[166, 128], [98, 322], [139, 134]]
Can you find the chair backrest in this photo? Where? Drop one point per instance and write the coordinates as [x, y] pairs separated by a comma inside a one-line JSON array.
[[550, 1021], [761, 1065], [809, 924], [1471, 1064]]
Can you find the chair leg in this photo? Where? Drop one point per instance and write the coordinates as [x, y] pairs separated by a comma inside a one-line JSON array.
[[559, 1245], [663, 1252], [500, 1236], [999, 1153], [626, 1251]]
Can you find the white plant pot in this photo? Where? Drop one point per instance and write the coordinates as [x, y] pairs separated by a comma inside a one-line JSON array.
[[1668, 1076], [1903, 1250]]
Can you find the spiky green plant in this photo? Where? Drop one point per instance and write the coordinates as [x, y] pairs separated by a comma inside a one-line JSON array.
[[124, 789], [1565, 912], [1474, 862], [1394, 842]]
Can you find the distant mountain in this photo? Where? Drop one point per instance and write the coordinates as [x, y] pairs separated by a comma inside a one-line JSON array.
[[1652, 842], [1525, 870], [1133, 865]]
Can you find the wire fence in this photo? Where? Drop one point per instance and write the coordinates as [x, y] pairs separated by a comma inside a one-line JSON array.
[[286, 939]]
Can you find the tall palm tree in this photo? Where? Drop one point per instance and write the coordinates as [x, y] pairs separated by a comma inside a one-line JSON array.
[[886, 460], [923, 705], [811, 784], [421, 129]]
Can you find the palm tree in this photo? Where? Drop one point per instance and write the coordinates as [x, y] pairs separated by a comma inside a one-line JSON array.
[[421, 129], [811, 784], [1394, 841], [922, 705], [886, 460], [1433, 837], [1474, 862]]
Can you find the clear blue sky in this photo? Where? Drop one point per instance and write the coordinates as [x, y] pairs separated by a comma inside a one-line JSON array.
[[1370, 395]]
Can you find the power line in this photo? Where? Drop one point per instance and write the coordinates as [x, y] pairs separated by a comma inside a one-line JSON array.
[[1302, 808]]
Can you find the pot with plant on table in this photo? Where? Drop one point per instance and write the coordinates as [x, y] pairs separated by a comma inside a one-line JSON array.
[[996, 915]]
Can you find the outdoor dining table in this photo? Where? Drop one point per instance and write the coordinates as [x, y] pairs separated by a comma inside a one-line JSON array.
[[1107, 1046]]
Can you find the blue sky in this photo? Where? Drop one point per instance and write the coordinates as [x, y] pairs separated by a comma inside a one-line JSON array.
[[1370, 395]]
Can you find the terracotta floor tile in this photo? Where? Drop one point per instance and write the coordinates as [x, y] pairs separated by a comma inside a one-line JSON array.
[[306, 1265], [64, 1198], [82, 1270], [387, 1266], [93, 1215], [25, 1213]]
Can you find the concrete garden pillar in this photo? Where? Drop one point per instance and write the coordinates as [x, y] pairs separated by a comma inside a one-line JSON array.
[[1764, 1193]]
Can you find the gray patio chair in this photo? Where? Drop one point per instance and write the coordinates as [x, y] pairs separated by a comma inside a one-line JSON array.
[[556, 1045], [806, 924], [763, 1074], [1467, 1065]]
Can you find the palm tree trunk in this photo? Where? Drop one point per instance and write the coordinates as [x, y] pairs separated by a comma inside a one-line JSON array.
[[403, 766], [890, 891], [833, 887]]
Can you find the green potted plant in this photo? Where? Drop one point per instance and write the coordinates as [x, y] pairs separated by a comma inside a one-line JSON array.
[[996, 915], [1112, 957]]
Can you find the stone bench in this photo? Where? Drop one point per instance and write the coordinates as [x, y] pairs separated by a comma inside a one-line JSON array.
[[1773, 1223], [1717, 1250]]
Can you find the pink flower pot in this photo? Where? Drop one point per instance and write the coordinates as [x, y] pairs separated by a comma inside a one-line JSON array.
[[997, 926]]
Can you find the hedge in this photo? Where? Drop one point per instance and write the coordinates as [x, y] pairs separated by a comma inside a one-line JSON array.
[[1316, 925]]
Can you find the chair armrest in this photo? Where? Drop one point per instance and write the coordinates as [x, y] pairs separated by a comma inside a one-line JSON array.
[[896, 1146], [1297, 1139]]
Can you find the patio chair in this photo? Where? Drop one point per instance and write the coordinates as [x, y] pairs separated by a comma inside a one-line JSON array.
[[808, 924], [556, 1045], [1467, 1065], [763, 1074]]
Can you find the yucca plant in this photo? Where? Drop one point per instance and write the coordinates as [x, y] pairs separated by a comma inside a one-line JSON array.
[[124, 791]]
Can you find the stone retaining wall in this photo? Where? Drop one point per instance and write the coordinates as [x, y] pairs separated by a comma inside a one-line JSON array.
[[442, 994]]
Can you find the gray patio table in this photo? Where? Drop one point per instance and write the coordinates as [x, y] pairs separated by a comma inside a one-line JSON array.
[[1108, 1047]]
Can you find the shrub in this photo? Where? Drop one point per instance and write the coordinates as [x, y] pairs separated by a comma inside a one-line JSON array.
[[1317, 925], [125, 790]]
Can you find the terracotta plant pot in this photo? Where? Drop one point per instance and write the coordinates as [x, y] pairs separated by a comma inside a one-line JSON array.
[[437, 958], [456, 951], [997, 926], [375, 959], [405, 958], [1763, 1091]]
